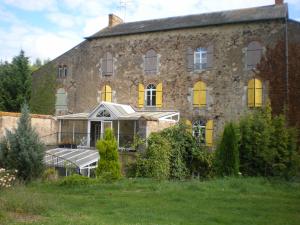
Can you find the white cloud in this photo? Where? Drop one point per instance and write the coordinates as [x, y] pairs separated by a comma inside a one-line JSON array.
[[33, 5], [64, 20]]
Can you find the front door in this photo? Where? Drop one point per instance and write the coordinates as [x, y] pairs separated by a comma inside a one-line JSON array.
[[95, 132]]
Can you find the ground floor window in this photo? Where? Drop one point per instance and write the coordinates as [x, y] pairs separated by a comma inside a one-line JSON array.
[[203, 131], [151, 95]]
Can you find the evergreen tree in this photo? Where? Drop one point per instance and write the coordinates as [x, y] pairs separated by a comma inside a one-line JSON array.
[[15, 83], [227, 155], [22, 149], [109, 165]]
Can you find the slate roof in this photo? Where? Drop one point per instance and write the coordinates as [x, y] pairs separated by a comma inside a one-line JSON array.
[[199, 20]]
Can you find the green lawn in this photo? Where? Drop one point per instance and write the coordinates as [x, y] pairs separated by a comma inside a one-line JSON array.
[[229, 201]]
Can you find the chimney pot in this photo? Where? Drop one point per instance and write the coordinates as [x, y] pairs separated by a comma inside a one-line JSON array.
[[114, 20], [279, 2]]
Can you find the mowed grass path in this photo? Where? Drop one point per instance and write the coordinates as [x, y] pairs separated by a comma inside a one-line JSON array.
[[229, 201]]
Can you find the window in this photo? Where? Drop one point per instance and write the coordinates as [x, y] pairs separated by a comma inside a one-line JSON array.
[[59, 71], [253, 55], [199, 96], [103, 113], [107, 64], [255, 93], [151, 95], [150, 63], [62, 71], [203, 132], [200, 58], [61, 100], [106, 93], [65, 71]]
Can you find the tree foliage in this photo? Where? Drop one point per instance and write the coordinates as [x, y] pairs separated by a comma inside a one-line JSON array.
[[267, 146], [155, 161], [108, 165], [15, 83], [22, 149], [227, 153]]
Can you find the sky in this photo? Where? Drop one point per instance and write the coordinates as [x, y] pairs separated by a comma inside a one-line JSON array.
[[45, 29]]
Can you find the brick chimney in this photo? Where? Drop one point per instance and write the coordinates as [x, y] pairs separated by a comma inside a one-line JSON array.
[[114, 20], [279, 2]]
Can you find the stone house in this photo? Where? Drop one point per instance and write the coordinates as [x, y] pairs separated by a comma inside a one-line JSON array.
[[203, 66]]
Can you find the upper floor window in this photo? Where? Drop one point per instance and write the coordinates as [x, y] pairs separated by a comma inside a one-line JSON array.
[[199, 94], [255, 93], [203, 131], [61, 100], [200, 58], [253, 55], [151, 62], [62, 71], [106, 93], [107, 64], [151, 95]]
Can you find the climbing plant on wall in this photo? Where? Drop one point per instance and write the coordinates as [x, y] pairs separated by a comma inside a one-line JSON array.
[[43, 92]]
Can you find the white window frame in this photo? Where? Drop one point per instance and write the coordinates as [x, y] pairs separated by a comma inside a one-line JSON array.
[[151, 91], [200, 58], [200, 127]]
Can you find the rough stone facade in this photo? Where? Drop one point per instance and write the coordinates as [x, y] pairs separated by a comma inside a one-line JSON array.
[[226, 81]]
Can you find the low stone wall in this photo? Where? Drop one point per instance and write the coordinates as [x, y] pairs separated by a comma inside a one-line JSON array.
[[45, 125]]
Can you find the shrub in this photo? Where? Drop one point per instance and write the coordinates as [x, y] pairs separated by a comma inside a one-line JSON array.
[[203, 164], [50, 174], [155, 161], [109, 165], [267, 146], [76, 179], [227, 153], [22, 149]]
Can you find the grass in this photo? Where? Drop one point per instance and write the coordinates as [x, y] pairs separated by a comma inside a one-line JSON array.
[[142, 201]]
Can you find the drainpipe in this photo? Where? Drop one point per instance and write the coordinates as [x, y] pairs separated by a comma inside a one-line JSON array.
[[287, 62]]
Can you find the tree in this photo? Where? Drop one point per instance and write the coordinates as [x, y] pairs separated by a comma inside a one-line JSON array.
[[22, 149], [108, 165], [15, 83], [227, 154]]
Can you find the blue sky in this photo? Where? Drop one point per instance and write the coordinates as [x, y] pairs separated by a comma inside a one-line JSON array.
[[47, 28]]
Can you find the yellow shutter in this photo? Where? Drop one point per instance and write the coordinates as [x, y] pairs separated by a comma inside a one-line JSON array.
[[258, 93], [199, 97], [159, 95], [255, 93], [251, 95], [209, 133], [141, 96], [106, 93]]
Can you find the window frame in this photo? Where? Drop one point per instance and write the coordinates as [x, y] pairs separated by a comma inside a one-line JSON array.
[[151, 93], [200, 126], [200, 62]]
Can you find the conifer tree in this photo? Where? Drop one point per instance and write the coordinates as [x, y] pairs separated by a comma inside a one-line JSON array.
[[108, 166], [22, 149]]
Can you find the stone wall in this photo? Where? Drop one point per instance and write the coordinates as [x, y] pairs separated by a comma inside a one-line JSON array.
[[226, 80], [156, 126], [45, 126]]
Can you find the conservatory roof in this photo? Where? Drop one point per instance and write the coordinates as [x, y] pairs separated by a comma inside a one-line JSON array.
[[63, 157], [121, 112]]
